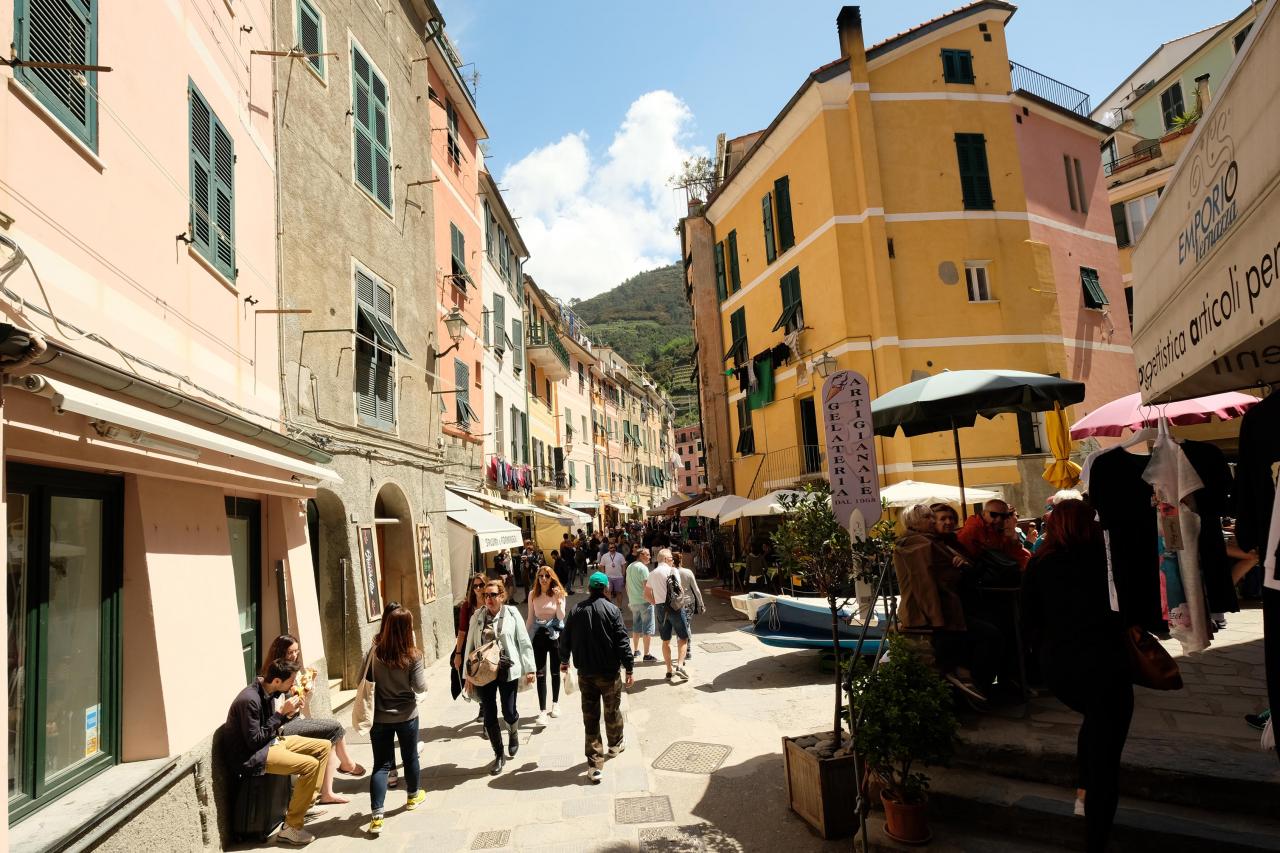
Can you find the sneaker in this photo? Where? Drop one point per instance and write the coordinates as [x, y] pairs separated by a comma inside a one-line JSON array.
[[541, 719], [968, 688], [669, 675], [1079, 808], [416, 799], [295, 835], [1258, 721], [375, 824], [618, 747], [649, 659], [555, 709], [682, 672], [596, 776]]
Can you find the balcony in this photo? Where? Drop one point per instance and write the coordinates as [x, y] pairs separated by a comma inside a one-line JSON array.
[[1054, 91], [1147, 156], [545, 351], [1142, 155], [789, 467]]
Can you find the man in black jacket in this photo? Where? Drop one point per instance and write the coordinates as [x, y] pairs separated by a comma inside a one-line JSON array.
[[256, 747], [596, 638]]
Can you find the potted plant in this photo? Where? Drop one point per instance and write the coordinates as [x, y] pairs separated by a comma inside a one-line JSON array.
[[812, 545], [905, 723]]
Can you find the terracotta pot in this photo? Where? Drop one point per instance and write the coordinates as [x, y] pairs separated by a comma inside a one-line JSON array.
[[905, 822]]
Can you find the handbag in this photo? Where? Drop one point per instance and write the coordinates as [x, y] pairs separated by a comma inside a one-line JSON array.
[[362, 710], [1269, 735], [486, 661], [1149, 664], [569, 682]]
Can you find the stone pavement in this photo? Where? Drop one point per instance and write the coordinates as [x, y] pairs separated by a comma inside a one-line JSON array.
[[703, 764]]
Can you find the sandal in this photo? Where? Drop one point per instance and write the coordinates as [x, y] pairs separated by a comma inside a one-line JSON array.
[[358, 770], [336, 801]]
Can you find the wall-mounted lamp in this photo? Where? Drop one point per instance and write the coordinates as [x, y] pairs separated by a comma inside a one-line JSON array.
[[456, 326], [825, 365]]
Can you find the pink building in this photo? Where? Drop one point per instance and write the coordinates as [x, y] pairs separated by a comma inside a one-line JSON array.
[[156, 526], [691, 471]]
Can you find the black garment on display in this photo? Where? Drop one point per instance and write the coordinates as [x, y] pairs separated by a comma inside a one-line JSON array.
[[1124, 504], [1212, 503]]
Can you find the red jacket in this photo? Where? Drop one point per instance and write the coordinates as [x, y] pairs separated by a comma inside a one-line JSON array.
[[976, 536]]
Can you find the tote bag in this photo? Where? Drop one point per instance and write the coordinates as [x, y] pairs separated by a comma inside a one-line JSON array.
[[485, 661], [362, 710]]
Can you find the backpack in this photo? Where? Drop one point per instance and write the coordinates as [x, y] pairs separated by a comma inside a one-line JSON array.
[[677, 595]]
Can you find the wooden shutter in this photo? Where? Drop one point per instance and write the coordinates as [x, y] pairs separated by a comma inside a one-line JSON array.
[[372, 133], [1120, 224], [62, 31], [311, 35], [517, 341], [201, 130], [462, 381], [782, 200], [722, 291], [975, 181], [770, 246], [499, 322], [735, 275], [223, 193], [490, 226]]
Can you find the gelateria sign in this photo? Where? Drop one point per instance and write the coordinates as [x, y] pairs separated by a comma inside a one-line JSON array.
[[1206, 272], [851, 451]]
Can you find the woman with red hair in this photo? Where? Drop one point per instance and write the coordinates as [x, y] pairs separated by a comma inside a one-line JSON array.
[[1067, 609]]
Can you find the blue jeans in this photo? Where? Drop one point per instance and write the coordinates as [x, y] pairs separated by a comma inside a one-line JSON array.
[[383, 738]]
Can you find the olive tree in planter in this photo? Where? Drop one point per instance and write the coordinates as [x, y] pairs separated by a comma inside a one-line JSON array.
[[905, 723]]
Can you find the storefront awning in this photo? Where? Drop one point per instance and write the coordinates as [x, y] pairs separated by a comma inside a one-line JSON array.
[[1206, 296], [622, 508], [569, 514], [591, 505], [141, 426], [492, 532]]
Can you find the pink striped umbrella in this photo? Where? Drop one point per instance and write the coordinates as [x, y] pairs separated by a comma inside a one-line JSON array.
[[1129, 413]]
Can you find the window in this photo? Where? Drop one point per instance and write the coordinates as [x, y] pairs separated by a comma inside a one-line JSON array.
[[311, 35], [586, 476], [377, 344], [499, 414], [1138, 213], [372, 129], [451, 123], [1128, 303], [770, 245], [1029, 432], [738, 335], [1120, 224], [735, 276], [746, 439], [782, 199], [722, 290], [515, 434], [524, 438], [699, 445], [1094, 295], [957, 66], [792, 317], [688, 482], [1238, 39], [213, 168], [975, 182], [64, 576], [458, 256], [465, 415], [1171, 104], [477, 373], [62, 31], [977, 281], [500, 340]]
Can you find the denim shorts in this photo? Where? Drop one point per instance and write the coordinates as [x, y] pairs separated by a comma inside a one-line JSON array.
[[669, 621], [642, 619]]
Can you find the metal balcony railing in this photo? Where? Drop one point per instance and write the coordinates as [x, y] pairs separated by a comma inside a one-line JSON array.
[[1044, 86], [788, 467], [1151, 152], [542, 337]]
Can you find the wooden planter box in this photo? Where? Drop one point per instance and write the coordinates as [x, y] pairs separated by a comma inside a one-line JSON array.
[[822, 791]]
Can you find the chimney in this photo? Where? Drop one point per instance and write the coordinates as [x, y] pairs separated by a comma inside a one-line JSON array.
[[1202, 93], [849, 29]]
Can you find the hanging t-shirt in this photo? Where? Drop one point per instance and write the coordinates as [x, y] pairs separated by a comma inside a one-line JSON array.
[[1212, 503], [1174, 481], [1124, 502]]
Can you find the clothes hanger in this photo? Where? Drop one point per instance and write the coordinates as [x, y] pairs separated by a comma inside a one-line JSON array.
[[1145, 434]]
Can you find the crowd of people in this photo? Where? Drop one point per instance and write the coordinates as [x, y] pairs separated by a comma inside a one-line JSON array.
[[498, 653]]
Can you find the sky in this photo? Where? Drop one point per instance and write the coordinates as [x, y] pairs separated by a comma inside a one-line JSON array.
[[591, 105]]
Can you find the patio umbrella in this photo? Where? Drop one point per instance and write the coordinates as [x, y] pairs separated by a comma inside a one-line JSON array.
[[713, 507], [955, 398], [1061, 472], [770, 504], [912, 492], [1128, 413]]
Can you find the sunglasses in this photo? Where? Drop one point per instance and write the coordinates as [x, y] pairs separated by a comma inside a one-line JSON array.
[[491, 595], [1000, 514]]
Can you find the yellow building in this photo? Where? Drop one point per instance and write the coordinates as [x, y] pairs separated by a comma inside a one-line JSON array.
[[918, 206]]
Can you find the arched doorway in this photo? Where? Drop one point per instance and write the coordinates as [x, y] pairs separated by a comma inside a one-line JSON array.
[[331, 546], [397, 551]]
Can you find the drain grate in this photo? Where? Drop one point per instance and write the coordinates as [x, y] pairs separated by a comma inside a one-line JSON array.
[[491, 840], [689, 757], [715, 648], [642, 810]]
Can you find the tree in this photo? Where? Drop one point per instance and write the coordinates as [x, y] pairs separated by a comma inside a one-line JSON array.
[[697, 177]]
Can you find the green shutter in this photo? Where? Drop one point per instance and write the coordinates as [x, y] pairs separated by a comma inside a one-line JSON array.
[[735, 275], [770, 247], [792, 309], [975, 181], [375, 354], [957, 66], [462, 382], [311, 35], [738, 334], [62, 31], [1094, 295], [213, 159], [782, 199], [224, 195], [371, 128], [722, 291], [517, 342], [499, 322]]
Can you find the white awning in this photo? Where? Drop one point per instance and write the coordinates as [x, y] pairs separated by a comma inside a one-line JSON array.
[[493, 533], [111, 412], [714, 507], [493, 500], [622, 508], [569, 514], [593, 505]]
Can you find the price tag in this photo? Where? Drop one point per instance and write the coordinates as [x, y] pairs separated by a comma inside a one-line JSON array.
[[1170, 527]]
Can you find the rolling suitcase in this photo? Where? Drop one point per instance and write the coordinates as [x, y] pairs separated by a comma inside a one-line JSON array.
[[260, 804]]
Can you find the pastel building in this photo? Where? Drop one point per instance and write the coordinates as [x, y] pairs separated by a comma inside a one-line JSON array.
[[691, 470]]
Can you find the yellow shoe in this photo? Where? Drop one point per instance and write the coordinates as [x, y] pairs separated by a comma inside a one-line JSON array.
[[416, 799], [375, 825]]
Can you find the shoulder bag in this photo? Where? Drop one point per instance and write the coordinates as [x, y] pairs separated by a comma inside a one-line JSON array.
[[362, 710], [485, 663], [1149, 664]]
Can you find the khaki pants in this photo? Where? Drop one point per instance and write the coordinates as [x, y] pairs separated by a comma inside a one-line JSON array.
[[597, 690], [306, 757]]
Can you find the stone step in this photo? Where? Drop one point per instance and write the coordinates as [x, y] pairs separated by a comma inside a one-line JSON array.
[[951, 836], [1043, 813], [1178, 771]]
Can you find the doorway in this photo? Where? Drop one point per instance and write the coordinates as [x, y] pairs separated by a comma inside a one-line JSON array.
[[810, 450], [244, 527]]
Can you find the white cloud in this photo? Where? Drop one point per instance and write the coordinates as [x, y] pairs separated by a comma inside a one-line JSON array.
[[592, 221]]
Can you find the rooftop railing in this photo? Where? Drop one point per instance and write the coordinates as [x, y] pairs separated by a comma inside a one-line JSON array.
[[1043, 86]]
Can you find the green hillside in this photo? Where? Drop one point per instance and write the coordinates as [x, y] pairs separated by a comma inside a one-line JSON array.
[[647, 320]]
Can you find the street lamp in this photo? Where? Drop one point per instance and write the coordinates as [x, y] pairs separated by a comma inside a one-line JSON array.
[[823, 366], [456, 325]]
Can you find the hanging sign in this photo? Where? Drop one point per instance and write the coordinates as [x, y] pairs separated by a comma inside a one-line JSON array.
[[851, 451]]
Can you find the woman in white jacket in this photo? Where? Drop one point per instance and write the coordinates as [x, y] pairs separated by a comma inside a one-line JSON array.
[[499, 620]]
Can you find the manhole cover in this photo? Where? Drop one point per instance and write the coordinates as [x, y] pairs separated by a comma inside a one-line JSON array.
[[642, 810], [713, 648], [689, 757], [491, 840]]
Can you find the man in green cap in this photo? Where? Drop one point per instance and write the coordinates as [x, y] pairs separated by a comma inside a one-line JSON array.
[[595, 638]]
